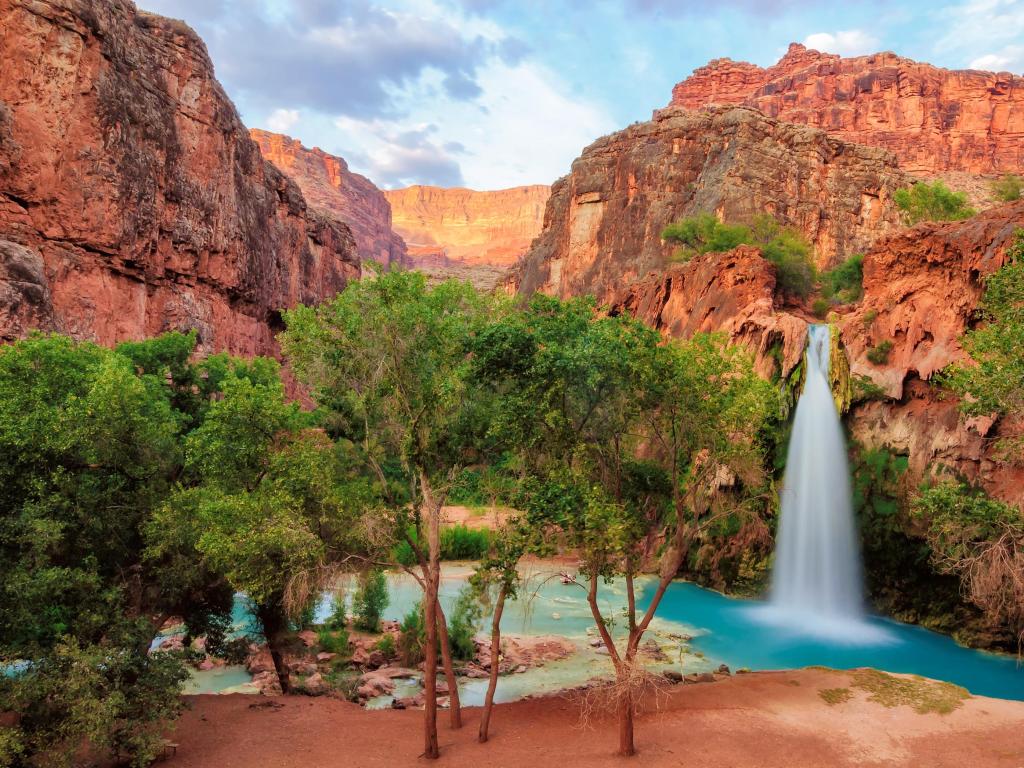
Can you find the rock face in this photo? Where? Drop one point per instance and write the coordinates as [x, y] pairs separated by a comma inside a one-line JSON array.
[[448, 229], [328, 185], [921, 289], [934, 120], [603, 222], [132, 200], [731, 292]]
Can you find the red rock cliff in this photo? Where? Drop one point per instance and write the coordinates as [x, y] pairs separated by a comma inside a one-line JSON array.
[[603, 223], [132, 200], [463, 225], [328, 185], [934, 120]]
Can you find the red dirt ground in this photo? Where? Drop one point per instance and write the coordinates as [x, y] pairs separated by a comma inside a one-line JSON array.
[[763, 719]]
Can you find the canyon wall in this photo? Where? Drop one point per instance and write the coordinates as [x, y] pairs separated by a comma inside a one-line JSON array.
[[602, 227], [132, 199], [934, 120], [466, 232], [328, 185]]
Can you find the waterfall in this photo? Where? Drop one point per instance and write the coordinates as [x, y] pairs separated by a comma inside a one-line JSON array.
[[817, 582]]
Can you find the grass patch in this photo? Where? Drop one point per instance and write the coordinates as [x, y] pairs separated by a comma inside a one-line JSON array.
[[833, 696], [922, 695]]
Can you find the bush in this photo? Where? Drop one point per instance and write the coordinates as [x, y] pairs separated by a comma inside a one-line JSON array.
[[457, 543], [464, 623], [820, 307], [412, 637], [333, 642], [337, 619], [704, 233], [1009, 188], [235, 651], [879, 354], [370, 600], [932, 202], [845, 283], [386, 645]]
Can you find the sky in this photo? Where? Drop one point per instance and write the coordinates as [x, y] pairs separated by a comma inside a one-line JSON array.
[[498, 93]]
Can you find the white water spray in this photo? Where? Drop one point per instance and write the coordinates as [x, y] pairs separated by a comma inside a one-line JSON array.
[[817, 583]]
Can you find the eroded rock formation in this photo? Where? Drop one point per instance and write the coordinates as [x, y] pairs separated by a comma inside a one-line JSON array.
[[602, 227], [921, 290], [328, 185], [732, 292], [934, 120], [132, 200], [478, 233]]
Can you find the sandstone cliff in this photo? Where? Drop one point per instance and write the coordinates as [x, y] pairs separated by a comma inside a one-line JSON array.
[[132, 200], [921, 290], [934, 120], [328, 185], [603, 221], [478, 233]]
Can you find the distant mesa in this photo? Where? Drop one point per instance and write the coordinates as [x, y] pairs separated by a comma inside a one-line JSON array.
[[934, 120]]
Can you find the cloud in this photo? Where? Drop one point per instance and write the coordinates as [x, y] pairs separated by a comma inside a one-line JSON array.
[[281, 120], [399, 157], [348, 58], [984, 34], [847, 42]]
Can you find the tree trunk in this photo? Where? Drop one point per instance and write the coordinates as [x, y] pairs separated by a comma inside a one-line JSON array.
[[492, 683], [432, 580], [626, 748], [454, 708], [274, 626]]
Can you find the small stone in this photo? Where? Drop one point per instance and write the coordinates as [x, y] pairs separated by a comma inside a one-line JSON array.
[[672, 676]]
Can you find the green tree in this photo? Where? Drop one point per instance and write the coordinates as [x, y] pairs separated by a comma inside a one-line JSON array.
[[389, 359], [623, 435], [370, 600], [845, 282], [1008, 188], [993, 382], [932, 202], [704, 233]]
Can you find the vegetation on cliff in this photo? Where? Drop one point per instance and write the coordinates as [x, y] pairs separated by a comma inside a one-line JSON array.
[[932, 202]]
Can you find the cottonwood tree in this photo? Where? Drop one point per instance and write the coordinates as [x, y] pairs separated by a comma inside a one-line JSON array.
[[389, 359], [623, 434]]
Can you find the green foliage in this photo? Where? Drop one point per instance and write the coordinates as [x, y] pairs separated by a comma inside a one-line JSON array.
[[932, 202], [115, 699], [704, 233], [370, 600], [337, 619], [994, 383], [784, 247], [413, 636], [845, 283], [1008, 188], [820, 307], [961, 519], [458, 542], [335, 641], [879, 354], [386, 645], [464, 623]]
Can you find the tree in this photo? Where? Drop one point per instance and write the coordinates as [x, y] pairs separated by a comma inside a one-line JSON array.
[[370, 600], [704, 233], [259, 503], [389, 359], [932, 202], [993, 381], [1008, 188], [90, 447], [622, 435]]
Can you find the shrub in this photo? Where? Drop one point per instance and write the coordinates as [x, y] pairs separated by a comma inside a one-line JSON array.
[[461, 543], [845, 283], [370, 600], [879, 354], [464, 623], [1007, 189], [386, 645], [932, 202], [787, 249], [333, 642], [235, 651], [412, 638], [820, 307], [337, 619], [704, 233]]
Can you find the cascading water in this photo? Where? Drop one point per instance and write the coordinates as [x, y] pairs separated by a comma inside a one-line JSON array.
[[816, 583]]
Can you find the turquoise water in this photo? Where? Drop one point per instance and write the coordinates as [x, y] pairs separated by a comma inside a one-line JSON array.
[[723, 630]]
